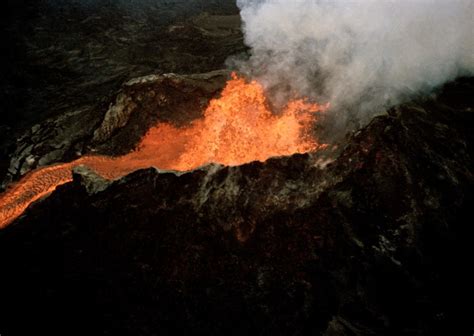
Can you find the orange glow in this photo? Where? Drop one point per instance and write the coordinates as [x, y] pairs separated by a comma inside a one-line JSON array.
[[237, 128]]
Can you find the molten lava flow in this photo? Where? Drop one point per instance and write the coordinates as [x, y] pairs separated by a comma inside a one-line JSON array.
[[237, 128]]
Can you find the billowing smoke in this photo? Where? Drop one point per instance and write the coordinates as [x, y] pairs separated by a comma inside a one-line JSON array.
[[361, 55]]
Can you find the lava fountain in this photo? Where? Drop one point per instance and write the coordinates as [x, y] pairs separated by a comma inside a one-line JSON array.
[[237, 128]]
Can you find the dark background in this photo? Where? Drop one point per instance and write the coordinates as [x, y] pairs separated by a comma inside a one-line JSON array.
[[57, 55]]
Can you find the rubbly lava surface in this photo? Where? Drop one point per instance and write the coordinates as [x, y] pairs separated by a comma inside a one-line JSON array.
[[376, 243], [236, 128]]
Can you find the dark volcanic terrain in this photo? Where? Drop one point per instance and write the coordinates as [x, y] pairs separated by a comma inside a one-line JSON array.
[[69, 59], [371, 238], [378, 242]]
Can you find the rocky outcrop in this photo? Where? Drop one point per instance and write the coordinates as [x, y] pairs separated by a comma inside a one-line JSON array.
[[149, 94], [115, 118], [146, 101], [90, 180], [377, 242]]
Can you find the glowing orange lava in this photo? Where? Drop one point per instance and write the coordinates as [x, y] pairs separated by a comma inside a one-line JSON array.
[[237, 128]]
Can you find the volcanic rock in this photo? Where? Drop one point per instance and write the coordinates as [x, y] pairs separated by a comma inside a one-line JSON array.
[[87, 178], [375, 243]]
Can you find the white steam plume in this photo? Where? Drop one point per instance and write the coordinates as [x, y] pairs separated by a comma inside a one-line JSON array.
[[360, 55]]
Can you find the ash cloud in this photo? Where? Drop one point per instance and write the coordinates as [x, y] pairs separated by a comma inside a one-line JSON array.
[[362, 56]]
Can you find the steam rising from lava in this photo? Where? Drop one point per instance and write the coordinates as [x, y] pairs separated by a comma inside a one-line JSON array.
[[360, 55], [237, 128]]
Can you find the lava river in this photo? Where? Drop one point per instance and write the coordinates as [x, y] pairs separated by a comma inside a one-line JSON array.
[[236, 128]]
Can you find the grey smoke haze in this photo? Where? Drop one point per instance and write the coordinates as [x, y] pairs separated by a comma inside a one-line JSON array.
[[360, 54]]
